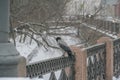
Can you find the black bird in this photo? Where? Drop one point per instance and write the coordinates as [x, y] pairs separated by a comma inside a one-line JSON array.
[[64, 46]]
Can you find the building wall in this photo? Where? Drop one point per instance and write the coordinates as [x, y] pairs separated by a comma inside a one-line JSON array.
[[117, 9]]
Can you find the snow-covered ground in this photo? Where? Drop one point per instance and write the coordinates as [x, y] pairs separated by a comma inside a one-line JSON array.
[[41, 53], [25, 48]]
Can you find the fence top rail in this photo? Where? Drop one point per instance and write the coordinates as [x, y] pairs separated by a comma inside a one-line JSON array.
[[43, 67], [92, 50], [48, 60]]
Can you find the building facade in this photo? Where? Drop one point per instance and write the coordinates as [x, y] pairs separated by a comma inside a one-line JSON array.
[[117, 9]]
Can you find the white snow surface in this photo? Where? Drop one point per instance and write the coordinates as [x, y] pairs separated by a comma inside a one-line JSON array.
[[116, 78], [41, 53], [34, 53], [25, 48]]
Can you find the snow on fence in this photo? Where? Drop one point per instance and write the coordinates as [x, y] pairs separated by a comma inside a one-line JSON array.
[[65, 64]]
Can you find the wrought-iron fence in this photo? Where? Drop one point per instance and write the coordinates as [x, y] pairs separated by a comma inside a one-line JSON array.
[[39, 69], [105, 25], [116, 63], [96, 58]]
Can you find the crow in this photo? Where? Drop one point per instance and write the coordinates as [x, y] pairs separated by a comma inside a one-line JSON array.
[[64, 46]]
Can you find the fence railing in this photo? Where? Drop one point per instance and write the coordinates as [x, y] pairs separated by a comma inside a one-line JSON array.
[[105, 25], [112, 27], [39, 69], [97, 62], [116, 45], [96, 58]]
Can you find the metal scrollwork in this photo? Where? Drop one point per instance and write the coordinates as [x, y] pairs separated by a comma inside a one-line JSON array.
[[50, 66], [96, 62], [116, 44]]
